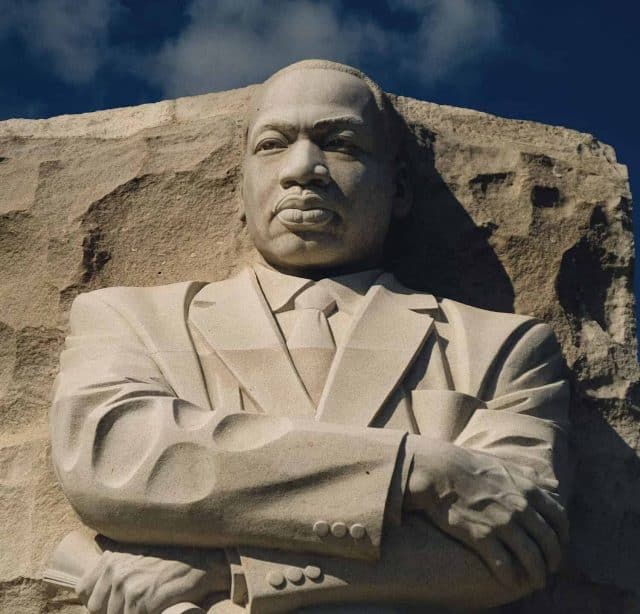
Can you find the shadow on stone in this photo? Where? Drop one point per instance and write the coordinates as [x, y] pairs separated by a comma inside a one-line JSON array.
[[438, 247]]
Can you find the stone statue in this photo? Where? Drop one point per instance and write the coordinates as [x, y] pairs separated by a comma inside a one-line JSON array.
[[311, 432]]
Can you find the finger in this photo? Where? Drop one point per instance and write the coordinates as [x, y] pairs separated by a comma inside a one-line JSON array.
[[494, 555], [544, 536], [498, 559], [99, 599], [123, 574], [475, 534], [87, 582], [116, 600], [134, 603], [552, 512], [527, 553]]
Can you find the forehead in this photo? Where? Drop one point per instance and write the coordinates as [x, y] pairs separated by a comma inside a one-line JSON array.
[[307, 95]]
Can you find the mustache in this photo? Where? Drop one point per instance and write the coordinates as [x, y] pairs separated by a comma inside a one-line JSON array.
[[299, 200]]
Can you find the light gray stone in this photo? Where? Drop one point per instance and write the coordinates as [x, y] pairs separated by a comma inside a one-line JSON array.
[[539, 215], [230, 414]]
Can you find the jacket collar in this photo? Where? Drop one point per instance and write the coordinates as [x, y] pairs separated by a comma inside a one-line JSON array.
[[387, 332], [384, 339]]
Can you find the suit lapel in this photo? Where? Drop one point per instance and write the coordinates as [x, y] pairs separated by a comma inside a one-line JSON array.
[[234, 319], [383, 341]]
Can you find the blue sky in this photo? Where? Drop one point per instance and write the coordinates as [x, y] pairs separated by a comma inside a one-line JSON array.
[[566, 62]]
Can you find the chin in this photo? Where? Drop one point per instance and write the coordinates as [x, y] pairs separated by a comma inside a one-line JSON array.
[[306, 252]]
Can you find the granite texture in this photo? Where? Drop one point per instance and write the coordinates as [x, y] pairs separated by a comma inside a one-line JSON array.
[[509, 215]]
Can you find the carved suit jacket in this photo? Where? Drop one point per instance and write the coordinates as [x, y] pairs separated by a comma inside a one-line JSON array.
[[179, 419]]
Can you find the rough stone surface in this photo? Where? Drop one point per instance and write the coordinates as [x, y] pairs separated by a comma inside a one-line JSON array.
[[526, 217]]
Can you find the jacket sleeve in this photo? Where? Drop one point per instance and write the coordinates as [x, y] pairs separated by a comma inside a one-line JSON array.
[[524, 417], [141, 465], [419, 565]]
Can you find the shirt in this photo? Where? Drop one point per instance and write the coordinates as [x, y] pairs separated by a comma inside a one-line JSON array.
[[280, 291]]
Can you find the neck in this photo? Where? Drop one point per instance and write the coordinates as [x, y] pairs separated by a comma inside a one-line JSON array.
[[322, 272]]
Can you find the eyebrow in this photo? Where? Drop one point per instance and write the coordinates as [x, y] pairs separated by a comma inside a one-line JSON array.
[[279, 126], [332, 122], [322, 124]]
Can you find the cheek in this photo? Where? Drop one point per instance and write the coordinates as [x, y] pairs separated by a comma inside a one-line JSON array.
[[350, 177], [256, 187], [251, 180], [362, 184]]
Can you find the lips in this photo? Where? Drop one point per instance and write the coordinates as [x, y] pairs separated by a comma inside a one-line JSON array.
[[303, 211], [305, 216]]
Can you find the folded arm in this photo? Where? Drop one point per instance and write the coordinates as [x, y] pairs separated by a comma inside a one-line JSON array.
[[488, 523], [500, 485], [143, 466]]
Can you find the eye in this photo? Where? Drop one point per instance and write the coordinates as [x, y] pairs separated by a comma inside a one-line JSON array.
[[342, 144], [270, 144]]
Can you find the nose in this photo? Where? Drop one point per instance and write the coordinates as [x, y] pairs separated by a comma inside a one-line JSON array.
[[304, 165]]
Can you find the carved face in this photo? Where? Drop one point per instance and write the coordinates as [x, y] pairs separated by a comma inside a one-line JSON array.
[[319, 180]]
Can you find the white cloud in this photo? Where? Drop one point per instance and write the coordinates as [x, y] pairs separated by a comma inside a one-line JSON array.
[[230, 44], [70, 35], [452, 33]]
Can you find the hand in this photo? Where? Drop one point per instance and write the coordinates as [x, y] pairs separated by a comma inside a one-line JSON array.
[[125, 583], [485, 503]]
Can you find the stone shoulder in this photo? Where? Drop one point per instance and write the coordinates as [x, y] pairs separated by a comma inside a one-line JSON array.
[[486, 317]]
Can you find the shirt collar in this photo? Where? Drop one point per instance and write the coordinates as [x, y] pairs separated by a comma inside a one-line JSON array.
[[280, 289]]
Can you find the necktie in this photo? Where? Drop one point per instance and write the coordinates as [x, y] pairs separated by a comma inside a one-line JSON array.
[[310, 343]]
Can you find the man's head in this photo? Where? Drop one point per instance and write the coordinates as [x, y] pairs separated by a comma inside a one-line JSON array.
[[321, 177]]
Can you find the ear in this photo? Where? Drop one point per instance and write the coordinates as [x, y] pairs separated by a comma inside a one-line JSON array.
[[403, 196]]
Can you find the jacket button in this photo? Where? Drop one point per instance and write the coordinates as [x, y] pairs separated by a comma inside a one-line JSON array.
[[312, 572], [275, 578], [293, 574], [321, 528], [339, 529], [357, 531]]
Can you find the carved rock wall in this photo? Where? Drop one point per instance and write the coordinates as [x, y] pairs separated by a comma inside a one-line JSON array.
[[508, 215]]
